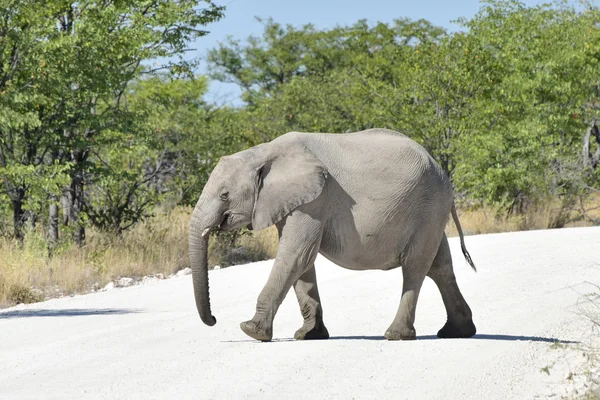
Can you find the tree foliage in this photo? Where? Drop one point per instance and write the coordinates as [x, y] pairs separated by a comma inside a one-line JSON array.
[[65, 67], [92, 119], [502, 104]]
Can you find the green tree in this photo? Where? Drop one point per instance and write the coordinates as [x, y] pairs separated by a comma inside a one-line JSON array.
[[502, 105], [543, 73], [192, 133], [66, 67]]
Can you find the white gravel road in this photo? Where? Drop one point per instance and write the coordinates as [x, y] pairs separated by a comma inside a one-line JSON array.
[[148, 342]]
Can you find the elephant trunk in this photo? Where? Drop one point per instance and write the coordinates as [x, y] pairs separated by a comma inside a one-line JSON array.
[[199, 265]]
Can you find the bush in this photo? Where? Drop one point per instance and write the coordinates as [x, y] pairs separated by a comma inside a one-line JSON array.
[[240, 247], [20, 294], [159, 245]]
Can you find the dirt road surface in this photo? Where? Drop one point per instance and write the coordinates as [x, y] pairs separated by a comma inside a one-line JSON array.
[[147, 341]]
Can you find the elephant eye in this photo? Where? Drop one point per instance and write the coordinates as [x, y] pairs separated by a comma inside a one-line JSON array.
[[224, 195]]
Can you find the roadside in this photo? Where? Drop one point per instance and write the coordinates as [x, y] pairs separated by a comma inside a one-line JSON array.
[[146, 341]]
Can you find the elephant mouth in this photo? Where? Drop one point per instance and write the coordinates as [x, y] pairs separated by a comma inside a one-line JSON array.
[[225, 220], [229, 220], [221, 226], [233, 219]]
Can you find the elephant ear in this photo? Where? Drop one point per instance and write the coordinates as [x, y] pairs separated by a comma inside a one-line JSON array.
[[288, 179]]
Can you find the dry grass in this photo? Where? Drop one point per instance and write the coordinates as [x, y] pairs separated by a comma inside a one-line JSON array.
[[257, 246], [487, 220], [265, 241], [160, 245]]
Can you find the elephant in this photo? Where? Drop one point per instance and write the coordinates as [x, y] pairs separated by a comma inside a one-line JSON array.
[[373, 199]]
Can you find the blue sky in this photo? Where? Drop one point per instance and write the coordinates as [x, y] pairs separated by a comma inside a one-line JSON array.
[[240, 22]]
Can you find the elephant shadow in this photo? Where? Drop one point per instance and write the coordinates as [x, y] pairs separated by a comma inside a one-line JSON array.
[[479, 336]]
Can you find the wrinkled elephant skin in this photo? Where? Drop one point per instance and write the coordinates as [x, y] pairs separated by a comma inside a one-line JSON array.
[[373, 199]]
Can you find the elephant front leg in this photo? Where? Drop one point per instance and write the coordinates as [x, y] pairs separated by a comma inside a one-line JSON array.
[[283, 274], [300, 238], [307, 293]]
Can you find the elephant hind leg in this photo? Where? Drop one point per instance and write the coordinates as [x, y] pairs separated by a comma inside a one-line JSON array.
[[460, 321], [307, 293], [402, 328], [416, 262]]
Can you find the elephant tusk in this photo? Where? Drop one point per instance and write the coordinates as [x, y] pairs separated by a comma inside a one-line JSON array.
[[204, 232]]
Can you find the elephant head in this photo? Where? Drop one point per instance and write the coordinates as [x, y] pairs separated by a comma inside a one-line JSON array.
[[255, 188]]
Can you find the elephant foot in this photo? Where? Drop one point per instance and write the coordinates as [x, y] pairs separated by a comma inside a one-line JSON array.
[[404, 333], [312, 333], [254, 330], [453, 331]]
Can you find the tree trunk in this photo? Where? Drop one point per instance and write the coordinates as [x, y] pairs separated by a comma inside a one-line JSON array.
[[53, 222], [76, 208], [18, 213], [65, 204], [76, 193], [588, 158]]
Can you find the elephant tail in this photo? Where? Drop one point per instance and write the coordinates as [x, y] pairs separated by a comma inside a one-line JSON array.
[[462, 238]]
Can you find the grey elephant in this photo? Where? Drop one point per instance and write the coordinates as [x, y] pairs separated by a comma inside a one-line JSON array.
[[373, 199]]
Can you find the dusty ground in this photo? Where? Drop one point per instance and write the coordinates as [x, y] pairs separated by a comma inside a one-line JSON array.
[[147, 341]]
